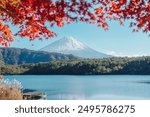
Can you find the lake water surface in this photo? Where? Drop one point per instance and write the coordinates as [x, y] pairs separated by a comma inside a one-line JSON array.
[[92, 87]]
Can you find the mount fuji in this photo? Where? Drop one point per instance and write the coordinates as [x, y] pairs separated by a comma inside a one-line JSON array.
[[69, 45]]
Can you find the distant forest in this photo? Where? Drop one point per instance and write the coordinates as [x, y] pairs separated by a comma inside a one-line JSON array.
[[16, 56], [115, 65]]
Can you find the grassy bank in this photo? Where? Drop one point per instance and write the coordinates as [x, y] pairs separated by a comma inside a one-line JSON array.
[[10, 90]]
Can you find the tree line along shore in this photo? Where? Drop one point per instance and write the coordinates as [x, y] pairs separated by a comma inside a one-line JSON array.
[[105, 66]]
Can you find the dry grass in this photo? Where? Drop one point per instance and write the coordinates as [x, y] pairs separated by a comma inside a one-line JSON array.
[[10, 90]]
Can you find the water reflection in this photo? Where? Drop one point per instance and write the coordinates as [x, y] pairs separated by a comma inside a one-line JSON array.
[[88, 87]]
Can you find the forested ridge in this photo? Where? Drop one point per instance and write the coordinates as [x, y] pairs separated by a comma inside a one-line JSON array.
[[15, 56], [115, 65]]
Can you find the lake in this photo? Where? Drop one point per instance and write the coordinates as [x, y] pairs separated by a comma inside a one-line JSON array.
[[88, 87]]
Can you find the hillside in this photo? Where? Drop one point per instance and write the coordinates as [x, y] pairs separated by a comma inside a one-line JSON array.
[[126, 66], [15, 56]]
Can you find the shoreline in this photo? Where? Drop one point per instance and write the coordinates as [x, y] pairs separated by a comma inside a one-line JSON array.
[[29, 94]]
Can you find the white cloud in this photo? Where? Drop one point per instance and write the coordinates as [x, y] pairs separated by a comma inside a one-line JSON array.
[[121, 54]]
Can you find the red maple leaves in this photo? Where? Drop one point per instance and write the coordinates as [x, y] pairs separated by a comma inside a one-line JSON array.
[[35, 17], [5, 35]]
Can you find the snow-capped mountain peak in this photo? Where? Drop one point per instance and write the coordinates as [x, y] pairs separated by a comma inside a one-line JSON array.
[[65, 44], [69, 45]]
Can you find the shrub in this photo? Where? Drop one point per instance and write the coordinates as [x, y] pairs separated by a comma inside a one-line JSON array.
[[10, 90]]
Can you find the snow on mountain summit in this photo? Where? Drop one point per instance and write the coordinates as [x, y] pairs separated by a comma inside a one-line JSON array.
[[69, 45], [64, 44]]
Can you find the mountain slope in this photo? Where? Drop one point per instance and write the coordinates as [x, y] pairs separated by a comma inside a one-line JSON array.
[[22, 56], [69, 45]]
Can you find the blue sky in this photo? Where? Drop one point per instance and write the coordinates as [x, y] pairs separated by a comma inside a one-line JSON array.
[[118, 40]]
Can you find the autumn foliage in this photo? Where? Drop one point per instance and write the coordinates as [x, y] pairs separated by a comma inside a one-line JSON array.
[[35, 17]]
